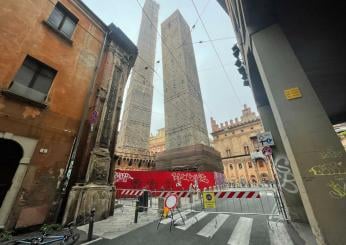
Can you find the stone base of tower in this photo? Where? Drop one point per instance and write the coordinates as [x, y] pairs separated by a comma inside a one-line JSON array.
[[189, 158]]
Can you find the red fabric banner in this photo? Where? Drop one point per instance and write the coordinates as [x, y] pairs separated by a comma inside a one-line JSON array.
[[165, 180]]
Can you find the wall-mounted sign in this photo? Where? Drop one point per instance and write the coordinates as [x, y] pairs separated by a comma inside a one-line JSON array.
[[257, 155], [293, 93], [265, 139], [267, 150]]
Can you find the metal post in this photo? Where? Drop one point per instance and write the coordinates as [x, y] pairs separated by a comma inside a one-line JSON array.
[[278, 186], [136, 211], [91, 224]]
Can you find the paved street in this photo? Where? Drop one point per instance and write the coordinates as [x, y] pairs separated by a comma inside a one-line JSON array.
[[229, 223], [207, 228]]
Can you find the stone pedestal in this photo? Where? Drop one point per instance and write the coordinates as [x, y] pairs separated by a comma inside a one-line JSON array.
[[82, 199], [97, 193], [99, 165], [195, 157]]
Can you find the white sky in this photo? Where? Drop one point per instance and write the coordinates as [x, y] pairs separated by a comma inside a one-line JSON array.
[[219, 98]]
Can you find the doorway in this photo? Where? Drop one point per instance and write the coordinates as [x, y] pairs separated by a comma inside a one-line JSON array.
[[10, 155]]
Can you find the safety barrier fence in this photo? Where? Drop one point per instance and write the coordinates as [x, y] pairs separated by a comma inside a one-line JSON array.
[[263, 201]]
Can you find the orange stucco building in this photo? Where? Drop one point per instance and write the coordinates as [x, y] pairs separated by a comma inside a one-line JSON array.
[[51, 52], [236, 140]]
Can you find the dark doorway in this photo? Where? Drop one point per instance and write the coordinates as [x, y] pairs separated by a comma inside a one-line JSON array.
[[10, 154]]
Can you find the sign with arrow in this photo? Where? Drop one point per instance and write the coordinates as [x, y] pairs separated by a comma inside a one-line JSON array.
[[265, 139]]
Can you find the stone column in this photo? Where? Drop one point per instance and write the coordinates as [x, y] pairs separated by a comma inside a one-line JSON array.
[[100, 160], [313, 149], [282, 166]]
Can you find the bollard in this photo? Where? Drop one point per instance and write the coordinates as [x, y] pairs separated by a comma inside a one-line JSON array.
[[91, 224], [136, 211]]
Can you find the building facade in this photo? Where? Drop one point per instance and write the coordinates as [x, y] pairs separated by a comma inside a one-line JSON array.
[[132, 149], [47, 82], [293, 70], [157, 142], [236, 140], [135, 124], [185, 123]]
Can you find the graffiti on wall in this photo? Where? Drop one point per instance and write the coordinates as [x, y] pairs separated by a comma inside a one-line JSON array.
[[285, 175], [337, 188], [334, 168]]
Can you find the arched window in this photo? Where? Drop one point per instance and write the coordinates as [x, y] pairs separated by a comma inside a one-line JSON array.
[[260, 163], [240, 165], [249, 164], [231, 167]]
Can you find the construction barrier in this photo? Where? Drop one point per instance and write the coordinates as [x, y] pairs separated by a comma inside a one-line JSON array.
[[264, 201], [237, 194]]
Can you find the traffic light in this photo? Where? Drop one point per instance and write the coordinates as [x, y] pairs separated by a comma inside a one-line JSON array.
[[240, 64], [236, 51]]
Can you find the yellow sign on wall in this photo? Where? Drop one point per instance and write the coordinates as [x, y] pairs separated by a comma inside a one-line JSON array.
[[209, 200], [293, 93]]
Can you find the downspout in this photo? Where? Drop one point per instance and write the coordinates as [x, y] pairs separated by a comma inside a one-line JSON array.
[[68, 170]]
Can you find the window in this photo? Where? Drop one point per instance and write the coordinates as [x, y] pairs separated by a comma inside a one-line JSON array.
[[231, 167], [246, 150], [240, 166], [249, 164], [63, 20], [33, 80], [260, 163]]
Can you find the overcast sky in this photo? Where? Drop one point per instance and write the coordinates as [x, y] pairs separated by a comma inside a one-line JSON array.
[[220, 100]]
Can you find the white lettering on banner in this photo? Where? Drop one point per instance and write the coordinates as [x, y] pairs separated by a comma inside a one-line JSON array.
[[122, 177], [179, 177]]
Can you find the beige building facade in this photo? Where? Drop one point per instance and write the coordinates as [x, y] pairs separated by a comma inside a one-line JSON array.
[[236, 140], [157, 141]]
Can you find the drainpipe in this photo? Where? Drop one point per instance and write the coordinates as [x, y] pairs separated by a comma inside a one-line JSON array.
[[64, 183]]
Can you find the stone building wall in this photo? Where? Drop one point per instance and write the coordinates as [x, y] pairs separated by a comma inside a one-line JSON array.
[[53, 122], [236, 140], [136, 118], [185, 123]]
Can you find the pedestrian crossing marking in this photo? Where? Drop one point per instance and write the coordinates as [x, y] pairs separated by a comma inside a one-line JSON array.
[[193, 220], [278, 234], [241, 232], [211, 228], [168, 220]]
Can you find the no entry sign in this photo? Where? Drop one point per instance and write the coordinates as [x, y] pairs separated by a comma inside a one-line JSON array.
[[171, 201]]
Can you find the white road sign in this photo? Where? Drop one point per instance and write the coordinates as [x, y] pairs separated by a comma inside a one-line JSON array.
[[265, 139]]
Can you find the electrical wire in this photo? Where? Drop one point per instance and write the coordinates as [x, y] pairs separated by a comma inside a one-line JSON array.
[[217, 54], [170, 51]]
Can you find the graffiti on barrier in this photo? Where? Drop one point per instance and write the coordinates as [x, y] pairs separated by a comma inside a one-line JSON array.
[[335, 168], [285, 175], [179, 177], [122, 177]]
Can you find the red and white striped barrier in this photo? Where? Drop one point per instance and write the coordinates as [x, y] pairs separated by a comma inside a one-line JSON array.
[[128, 193], [132, 193], [237, 194], [164, 194]]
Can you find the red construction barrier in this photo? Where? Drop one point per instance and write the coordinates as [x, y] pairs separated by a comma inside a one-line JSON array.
[[163, 181]]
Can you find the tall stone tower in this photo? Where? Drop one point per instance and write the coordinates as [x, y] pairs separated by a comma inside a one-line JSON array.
[[187, 142], [184, 115], [135, 126]]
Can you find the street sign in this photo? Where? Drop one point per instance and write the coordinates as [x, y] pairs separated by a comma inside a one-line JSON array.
[[265, 139], [267, 150], [209, 200], [171, 201]]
